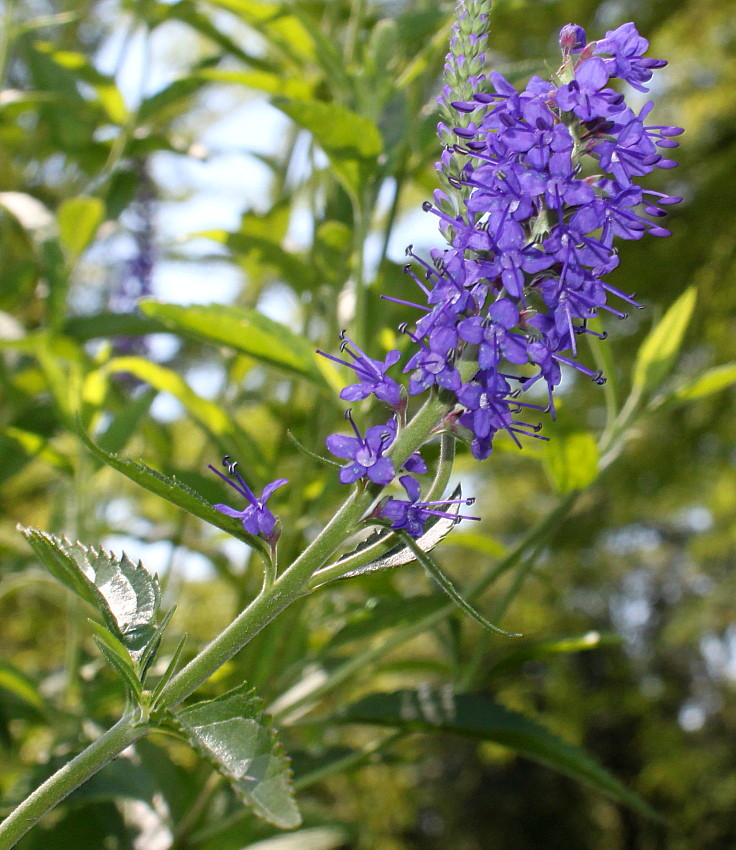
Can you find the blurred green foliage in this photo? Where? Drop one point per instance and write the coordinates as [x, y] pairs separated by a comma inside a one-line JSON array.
[[629, 645]]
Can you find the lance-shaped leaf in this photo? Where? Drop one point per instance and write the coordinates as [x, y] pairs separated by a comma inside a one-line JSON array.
[[126, 594], [243, 330], [235, 735], [429, 709], [662, 345], [434, 569]]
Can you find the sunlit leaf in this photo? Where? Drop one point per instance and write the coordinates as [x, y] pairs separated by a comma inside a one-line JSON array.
[[235, 735], [243, 330], [351, 142], [78, 220], [659, 350], [571, 461], [712, 381], [439, 709]]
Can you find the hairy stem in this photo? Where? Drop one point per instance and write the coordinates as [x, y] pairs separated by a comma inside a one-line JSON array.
[[71, 776]]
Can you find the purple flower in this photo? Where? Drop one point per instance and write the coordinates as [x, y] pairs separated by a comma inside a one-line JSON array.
[[586, 95], [257, 519], [412, 514], [626, 47], [366, 453], [371, 374]]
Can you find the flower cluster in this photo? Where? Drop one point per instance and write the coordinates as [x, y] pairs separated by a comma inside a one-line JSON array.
[[537, 185], [547, 181]]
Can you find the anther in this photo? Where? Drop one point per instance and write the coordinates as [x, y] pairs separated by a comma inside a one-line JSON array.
[[403, 327], [599, 378], [427, 206]]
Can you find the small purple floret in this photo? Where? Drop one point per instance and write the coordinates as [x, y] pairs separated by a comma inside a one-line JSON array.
[[412, 514], [257, 518]]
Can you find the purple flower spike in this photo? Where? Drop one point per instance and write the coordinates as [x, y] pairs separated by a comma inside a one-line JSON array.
[[366, 453], [257, 519], [412, 515]]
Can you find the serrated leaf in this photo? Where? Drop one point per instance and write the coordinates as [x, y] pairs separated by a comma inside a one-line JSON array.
[[175, 492], [662, 345], [351, 142], [243, 330], [235, 735], [78, 220], [439, 709], [126, 594], [571, 461]]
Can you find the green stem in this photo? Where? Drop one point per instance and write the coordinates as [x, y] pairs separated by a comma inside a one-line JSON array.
[[69, 777], [294, 581]]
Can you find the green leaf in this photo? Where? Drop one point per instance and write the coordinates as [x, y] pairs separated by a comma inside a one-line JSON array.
[[187, 12], [78, 220], [434, 569], [80, 67], [373, 617], [208, 414], [124, 423], [662, 345], [266, 81], [235, 735], [313, 838], [17, 683], [83, 328], [175, 492], [126, 594], [116, 656], [550, 649], [571, 461], [171, 668], [350, 141], [476, 716], [712, 381], [275, 23], [37, 446], [476, 542], [246, 331]]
